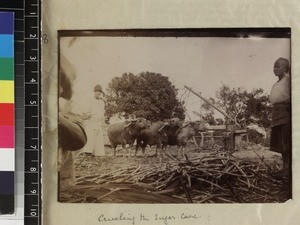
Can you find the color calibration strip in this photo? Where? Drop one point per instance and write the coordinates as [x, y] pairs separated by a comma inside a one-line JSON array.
[[7, 118]]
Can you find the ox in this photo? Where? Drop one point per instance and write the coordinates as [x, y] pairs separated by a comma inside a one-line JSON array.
[[154, 135], [188, 130], [171, 129], [159, 134], [125, 132]]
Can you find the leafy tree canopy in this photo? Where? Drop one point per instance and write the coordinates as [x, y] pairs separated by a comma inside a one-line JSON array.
[[245, 107], [149, 95]]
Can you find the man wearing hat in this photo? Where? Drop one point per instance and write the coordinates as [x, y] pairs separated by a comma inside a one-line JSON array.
[[94, 118]]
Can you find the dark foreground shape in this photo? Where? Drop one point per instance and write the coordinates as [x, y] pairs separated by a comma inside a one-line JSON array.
[[71, 134]]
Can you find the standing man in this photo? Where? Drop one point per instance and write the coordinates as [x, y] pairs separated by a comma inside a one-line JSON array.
[[94, 118], [280, 98]]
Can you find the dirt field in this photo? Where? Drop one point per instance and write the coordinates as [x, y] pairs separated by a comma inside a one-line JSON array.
[[205, 176]]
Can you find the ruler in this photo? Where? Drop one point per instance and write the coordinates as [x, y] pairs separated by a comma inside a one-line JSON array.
[[27, 104], [32, 170]]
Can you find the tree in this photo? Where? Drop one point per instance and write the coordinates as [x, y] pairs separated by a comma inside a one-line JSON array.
[[149, 95], [258, 108], [245, 107], [233, 101], [209, 115]]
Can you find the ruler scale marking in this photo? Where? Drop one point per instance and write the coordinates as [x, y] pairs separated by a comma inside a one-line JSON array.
[[32, 114]]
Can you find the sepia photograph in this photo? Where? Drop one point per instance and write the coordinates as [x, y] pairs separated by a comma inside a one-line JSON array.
[[174, 116]]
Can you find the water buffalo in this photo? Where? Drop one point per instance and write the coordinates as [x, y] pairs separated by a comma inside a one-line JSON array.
[[159, 134], [171, 129], [125, 132], [154, 135], [188, 130]]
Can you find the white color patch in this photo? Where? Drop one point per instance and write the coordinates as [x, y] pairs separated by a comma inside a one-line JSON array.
[[7, 159]]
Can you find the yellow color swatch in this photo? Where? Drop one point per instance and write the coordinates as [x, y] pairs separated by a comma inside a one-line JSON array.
[[6, 91]]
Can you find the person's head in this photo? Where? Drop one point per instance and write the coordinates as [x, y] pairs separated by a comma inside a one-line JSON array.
[[98, 91], [281, 67]]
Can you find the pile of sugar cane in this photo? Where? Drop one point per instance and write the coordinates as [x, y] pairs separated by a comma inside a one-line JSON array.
[[218, 178], [214, 178]]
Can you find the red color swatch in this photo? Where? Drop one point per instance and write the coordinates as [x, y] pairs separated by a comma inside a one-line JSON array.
[[7, 114]]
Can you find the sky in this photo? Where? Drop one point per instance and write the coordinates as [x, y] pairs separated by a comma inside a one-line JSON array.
[[203, 64]]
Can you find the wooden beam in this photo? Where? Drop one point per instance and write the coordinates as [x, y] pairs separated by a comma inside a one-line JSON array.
[[211, 104]]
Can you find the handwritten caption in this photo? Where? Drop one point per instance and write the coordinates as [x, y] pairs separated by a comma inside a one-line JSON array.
[[144, 219]]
